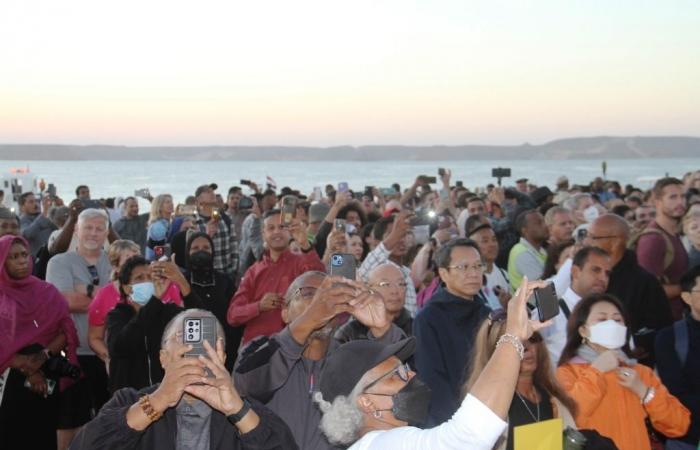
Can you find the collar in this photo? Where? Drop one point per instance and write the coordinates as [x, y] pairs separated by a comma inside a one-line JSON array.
[[532, 248], [196, 408], [283, 256], [571, 298]]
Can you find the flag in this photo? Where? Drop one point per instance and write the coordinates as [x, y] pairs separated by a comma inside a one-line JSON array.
[[270, 182]]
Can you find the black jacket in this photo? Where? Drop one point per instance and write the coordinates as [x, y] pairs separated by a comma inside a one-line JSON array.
[[643, 298], [109, 430], [133, 341], [444, 330]]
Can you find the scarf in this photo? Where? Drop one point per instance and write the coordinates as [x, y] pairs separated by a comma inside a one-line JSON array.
[[586, 354]]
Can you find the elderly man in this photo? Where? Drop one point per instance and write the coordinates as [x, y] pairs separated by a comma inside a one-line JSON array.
[[560, 224], [368, 395], [78, 275], [282, 370], [187, 410], [257, 303], [577, 204], [392, 231], [528, 256], [386, 279], [640, 292], [590, 273], [446, 326], [132, 225]]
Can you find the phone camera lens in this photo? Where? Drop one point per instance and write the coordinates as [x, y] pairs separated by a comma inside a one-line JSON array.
[[191, 337], [191, 330]]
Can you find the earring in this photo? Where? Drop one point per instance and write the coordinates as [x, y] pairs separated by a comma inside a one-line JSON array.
[[377, 414]]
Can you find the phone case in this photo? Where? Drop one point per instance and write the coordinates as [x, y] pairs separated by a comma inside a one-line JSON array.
[[196, 330], [342, 264]]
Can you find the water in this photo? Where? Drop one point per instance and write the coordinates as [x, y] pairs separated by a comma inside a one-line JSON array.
[[181, 178]]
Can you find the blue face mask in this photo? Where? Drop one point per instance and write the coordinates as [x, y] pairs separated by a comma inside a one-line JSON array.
[[141, 293]]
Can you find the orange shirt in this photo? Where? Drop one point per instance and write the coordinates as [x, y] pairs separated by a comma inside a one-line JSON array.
[[615, 411]]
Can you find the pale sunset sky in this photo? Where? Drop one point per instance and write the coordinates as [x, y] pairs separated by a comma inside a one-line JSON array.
[[327, 72]]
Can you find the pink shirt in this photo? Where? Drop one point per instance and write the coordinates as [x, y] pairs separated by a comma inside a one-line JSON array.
[[107, 297]]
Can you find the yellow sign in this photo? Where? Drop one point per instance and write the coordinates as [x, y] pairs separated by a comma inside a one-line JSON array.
[[545, 435]]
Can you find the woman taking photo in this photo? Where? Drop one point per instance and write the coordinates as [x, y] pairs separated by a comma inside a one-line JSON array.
[[34, 326], [538, 396], [614, 394], [135, 325], [159, 224]]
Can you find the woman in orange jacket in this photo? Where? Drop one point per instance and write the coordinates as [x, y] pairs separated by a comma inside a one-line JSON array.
[[614, 394]]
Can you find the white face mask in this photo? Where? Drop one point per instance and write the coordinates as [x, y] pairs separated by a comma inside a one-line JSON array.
[[591, 213], [609, 334]]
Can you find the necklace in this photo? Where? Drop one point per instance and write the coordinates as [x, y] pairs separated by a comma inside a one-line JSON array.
[[536, 419]]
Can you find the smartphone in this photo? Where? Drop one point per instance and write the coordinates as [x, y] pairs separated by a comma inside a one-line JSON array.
[[343, 264], [387, 191], [196, 330], [339, 225], [143, 193], [428, 180], [91, 204], [317, 194], [163, 252], [441, 171], [215, 215], [187, 210], [546, 302], [245, 182], [459, 183], [51, 190], [343, 186], [289, 209], [245, 203], [500, 172]]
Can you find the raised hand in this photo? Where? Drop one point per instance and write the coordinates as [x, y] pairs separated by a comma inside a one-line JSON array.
[[518, 322]]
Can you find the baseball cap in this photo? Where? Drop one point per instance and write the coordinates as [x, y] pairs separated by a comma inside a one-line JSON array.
[[347, 364]]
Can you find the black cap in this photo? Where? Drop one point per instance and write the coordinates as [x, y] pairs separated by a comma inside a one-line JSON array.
[[347, 364], [521, 180], [540, 194]]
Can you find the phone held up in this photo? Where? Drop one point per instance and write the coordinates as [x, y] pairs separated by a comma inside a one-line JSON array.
[[343, 264], [289, 209], [546, 302], [163, 252], [196, 330]]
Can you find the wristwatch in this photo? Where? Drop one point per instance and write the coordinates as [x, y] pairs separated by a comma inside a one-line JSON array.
[[237, 417]]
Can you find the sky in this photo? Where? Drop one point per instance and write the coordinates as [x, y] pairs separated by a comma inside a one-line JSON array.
[[360, 72]]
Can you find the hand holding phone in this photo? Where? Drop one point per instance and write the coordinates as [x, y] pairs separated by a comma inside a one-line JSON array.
[[196, 330]]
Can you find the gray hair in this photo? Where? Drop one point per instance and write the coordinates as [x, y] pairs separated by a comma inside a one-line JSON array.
[[551, 212], [93, 213], [175, 324], [298, 282], [574, 202], [341, 419]]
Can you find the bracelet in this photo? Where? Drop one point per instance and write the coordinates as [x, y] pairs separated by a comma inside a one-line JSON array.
[[145, 404], [238, 416], [649, 396], [514, 341]]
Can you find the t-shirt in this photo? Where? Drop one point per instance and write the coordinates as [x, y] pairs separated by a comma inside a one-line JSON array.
[[69, 269], [107, 297], [495, 278]]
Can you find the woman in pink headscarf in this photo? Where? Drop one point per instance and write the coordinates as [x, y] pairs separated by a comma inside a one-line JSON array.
[[34, 327]]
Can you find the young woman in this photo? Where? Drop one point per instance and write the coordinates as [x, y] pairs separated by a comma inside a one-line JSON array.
[[159, 224], [614, 394], [34, 325]]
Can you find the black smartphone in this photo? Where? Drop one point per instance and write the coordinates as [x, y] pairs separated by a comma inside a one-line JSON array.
[[428, 180], [245, 182], [245, 203], [343, 264], [500, 172], [163, 252], [51, 190], [441, 171], [289, 209], [459, 184], [546, 302], [196, 330]]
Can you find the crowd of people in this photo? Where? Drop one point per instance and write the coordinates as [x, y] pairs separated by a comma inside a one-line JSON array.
[[376, 318]]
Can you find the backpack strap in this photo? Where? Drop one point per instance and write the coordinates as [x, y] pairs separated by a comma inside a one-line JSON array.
[[680, 334], [564, 308]]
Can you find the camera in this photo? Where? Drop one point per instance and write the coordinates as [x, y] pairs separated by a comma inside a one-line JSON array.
[[500, 172], [58, 367]]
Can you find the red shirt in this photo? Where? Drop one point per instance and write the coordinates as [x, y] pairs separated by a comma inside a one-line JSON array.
[[262, 277]]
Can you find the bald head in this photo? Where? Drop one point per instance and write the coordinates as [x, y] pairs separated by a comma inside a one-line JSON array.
[[307, 279], [612, 224], [388, 280]]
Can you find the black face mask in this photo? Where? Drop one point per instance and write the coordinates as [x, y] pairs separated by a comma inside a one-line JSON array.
[[201, 260], [411, 402]]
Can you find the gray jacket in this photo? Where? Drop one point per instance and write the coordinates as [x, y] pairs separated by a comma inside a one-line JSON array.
[[273, 371]]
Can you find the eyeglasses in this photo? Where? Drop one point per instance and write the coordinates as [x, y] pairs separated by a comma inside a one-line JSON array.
[[597, 238], [402, 370], [94, 274], [387, 284], [305, 291], [478, 267]]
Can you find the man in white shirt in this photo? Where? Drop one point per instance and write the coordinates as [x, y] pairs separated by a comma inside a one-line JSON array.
[[590, 273]]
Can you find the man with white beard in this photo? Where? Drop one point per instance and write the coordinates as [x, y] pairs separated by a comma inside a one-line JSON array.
[[78, 274], [282, 370]]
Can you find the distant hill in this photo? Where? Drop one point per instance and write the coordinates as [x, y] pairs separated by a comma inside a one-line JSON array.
[[573, 148]]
